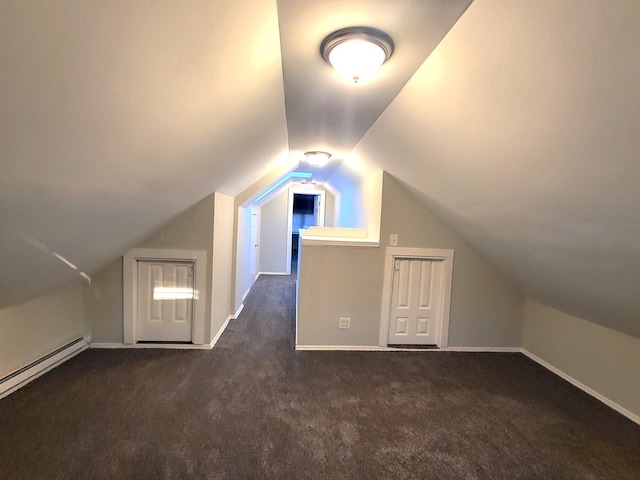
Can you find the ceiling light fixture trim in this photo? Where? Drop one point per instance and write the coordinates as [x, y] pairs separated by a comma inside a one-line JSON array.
[[357, 53]]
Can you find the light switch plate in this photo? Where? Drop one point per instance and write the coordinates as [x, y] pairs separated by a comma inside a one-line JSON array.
[[393, 240]]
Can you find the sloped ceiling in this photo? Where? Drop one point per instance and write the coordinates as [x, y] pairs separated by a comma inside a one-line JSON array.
[[519, 130], [521, 133], [118, 115]]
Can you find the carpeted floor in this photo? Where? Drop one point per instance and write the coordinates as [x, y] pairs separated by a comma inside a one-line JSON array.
[[254, 408]]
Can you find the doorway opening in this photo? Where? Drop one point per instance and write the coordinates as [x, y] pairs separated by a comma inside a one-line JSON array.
[[306, 210]]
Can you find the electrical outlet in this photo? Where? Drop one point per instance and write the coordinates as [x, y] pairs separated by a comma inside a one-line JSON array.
[[345, 322], [393, 240]]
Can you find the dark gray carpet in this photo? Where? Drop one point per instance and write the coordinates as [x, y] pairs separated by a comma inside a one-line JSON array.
[[254, 408]]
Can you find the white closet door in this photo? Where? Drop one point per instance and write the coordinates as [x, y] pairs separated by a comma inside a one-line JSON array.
[[165, 301], [416, 302]]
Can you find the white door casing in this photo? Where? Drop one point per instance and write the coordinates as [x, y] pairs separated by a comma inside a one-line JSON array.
[[318, 210], [130, 289], [421, 315], [254, 256], [415, 301], [165, 301]]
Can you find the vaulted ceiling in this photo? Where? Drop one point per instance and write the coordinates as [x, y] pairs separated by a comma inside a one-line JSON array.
[[514, 122]]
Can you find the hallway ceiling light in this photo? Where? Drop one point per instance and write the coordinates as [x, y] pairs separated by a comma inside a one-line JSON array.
[[308, 184], [357, 53], [317, 158]]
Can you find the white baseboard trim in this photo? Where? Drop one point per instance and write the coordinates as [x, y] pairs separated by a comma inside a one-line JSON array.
[[19, 378], [273, 273], [377, 348], [237, 314], [482, 349], [167, 346], [220, 332], [355, 348], [576, 383]]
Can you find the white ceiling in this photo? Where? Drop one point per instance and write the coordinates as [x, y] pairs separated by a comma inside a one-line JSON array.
[[326, 113], [518, 131]]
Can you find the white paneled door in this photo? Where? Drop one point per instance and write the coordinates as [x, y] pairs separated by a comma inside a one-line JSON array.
[[165, 301], [254, 257], [416, 302]]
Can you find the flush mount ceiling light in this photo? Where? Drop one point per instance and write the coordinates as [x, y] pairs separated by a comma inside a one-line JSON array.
[[308, 184], [357, 53], [317, 158]]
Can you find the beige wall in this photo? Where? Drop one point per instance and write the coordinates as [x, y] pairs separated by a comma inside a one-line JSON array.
[[339, 282], [103, 304], [604, 360], [347, 281], [273, 234], [37, 327], [190, 230], [485, 309]]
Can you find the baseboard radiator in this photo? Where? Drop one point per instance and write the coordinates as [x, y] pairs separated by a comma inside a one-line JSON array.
[[13, 381]]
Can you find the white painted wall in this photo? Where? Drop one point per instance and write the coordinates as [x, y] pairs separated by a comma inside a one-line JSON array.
[[273, 234], [372, 203], [222, 262], [357, 203], [329, 208], [349, 207], [243, 277], [602, 359], [37, 327]]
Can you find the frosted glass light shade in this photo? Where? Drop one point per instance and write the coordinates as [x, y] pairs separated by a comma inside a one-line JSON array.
[[356, 60], [317, 158], [357, 53]]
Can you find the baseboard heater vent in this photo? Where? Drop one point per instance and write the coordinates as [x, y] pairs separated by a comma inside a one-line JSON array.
[[13, 381], [414, 347]]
